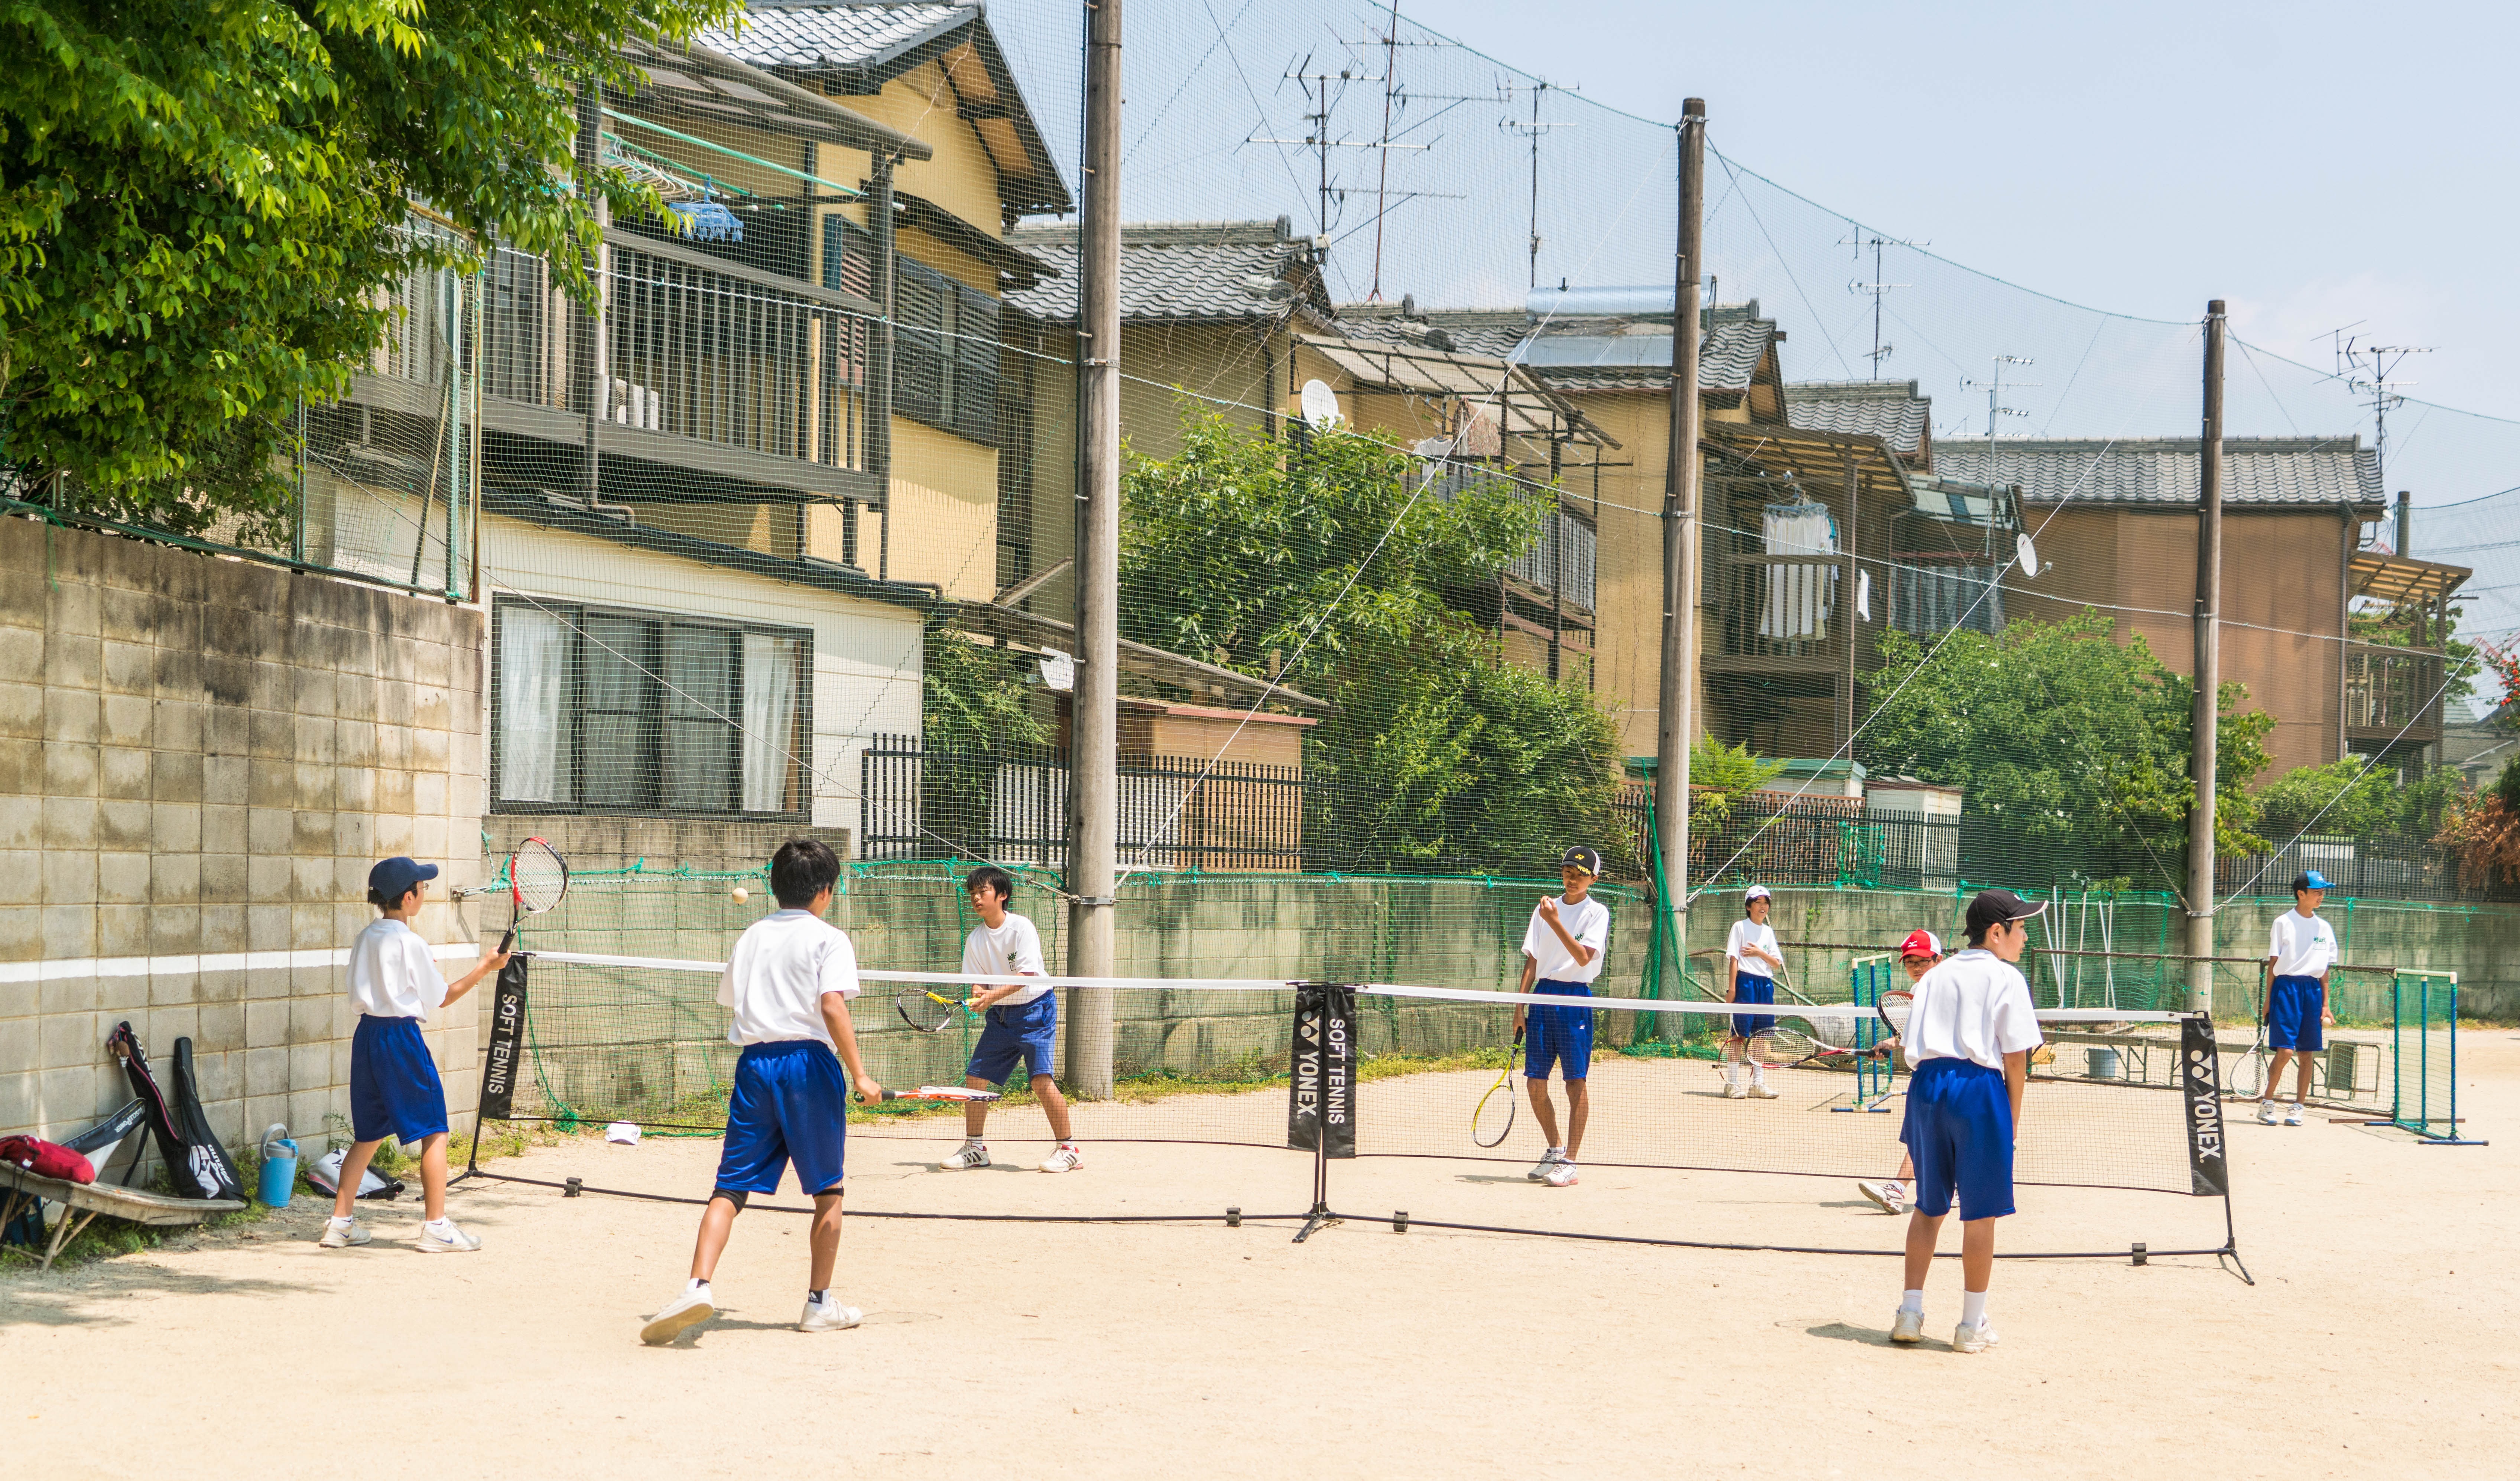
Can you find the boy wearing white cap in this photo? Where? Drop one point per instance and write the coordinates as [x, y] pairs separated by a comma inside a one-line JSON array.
[[1751, 961]]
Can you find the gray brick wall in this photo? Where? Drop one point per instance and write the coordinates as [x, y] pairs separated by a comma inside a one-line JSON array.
[[199, 757]]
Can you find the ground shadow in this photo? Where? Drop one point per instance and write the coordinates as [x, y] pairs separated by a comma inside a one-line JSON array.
[[1839, 1331], [74, 1296]]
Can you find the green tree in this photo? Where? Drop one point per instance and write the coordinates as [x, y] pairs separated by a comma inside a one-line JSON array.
[[2075, 744], [2353, 797], [974, 698], [200, 200], [1334, 563]]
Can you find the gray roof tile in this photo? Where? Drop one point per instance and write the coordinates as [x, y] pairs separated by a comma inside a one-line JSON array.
[[2316, 471], [1175, 271], [1890, 410], [827, 34]]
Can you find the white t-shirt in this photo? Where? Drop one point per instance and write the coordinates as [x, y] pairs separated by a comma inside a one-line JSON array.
[[1588, 921], [1976, 1006], [1749, 933], [2302, 945], [782, 966], [1011, 950], [393, 974]]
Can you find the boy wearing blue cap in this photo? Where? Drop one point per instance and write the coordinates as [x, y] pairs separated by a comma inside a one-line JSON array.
[[394, 1088], [2300, 950]]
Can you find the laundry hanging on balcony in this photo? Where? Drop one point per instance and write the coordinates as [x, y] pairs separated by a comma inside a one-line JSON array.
[[1799, 597], [707, 221]]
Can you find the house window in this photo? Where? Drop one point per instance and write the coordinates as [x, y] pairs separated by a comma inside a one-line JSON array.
[[602, 710], [945, 341]]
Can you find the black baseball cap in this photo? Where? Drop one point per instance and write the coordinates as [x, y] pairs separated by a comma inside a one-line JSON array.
[[393, 877], [1589, 860], [1996, 906]]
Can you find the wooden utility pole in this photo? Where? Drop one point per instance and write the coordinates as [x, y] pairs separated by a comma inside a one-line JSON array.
[[1094, 784], [1677, 723], [2209, 670]]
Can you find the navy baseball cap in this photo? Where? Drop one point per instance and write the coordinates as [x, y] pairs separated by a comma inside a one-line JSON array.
[[393, 877], [1589, 860], [1997, 907], [2310, 879]]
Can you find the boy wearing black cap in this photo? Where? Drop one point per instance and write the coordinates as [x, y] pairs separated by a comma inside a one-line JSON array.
[[1562, 955], [2300, 950], [394, 1088], [1970, 1031]]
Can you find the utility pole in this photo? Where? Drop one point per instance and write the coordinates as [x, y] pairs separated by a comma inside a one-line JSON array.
[[2209, 670], [1677, 721], [1094, 784]]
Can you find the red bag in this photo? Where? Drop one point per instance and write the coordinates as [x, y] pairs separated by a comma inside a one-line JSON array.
[[46, 1159]]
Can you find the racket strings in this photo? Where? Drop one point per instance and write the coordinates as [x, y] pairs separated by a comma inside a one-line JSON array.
[[538, 877]]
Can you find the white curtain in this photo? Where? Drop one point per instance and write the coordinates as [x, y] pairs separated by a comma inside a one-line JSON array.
[[769, 721], [535, 655], [1798, 597]]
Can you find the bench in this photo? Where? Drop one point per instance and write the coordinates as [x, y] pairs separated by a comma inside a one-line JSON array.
[[83, 1201]]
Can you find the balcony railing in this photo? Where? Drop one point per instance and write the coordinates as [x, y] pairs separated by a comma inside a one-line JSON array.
[[2391, 691], [1563, 562], [716, 353], [1779, 607]]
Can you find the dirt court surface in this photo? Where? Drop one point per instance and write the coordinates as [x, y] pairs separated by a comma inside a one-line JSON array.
[[2379, 1339]]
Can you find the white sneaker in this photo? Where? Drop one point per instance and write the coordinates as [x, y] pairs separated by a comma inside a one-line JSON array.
[[444, 1238], [1890, 1196], [1732, 1091], [828, 1315], [1907, 1327], [1066, 1159], [341, 1233], [971, 1155], [2267, 1113], [1562, 1174], [1759, 1091], [2292, 1118], [1973, 1339], [1548, 1160], [684, 1312]]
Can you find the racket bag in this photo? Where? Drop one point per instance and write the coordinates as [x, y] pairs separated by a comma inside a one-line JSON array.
[[195, 1168], [324, 1175]]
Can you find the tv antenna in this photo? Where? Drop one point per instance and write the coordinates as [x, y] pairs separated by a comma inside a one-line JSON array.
[[1532, 131], [1996, 410], [1395, 101], [1878, 288], [1319, 140], [2371, 370]]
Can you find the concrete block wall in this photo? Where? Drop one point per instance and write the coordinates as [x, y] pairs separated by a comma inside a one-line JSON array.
[[199, 757]]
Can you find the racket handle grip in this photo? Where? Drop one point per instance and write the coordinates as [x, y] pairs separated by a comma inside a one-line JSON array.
[[889, 1095], [507, 942]]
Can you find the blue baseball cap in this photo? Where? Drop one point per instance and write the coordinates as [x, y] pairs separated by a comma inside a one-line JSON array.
[[393, 877], [2310, 879]]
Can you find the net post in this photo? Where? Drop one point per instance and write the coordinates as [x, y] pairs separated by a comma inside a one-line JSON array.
[[495, 1093]]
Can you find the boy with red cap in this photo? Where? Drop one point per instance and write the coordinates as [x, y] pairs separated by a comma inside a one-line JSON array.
[[1920, 952]]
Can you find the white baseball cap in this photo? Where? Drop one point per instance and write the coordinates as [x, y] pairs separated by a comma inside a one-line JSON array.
[[1757, 892]]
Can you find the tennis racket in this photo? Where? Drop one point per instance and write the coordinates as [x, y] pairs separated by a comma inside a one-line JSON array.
[[1797, 1039], [2248, 1074], [953, 1092], [537, 878], [925, 1010], [1894, 1008], [1493, 1118]]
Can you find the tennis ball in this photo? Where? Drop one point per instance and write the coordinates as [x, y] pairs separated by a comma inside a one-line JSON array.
[[742, 894]]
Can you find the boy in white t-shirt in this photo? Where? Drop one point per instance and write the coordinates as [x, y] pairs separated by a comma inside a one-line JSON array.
[[1562, 955], [789, 981], [1751, 961], [394, 1088], [1970, 1031], [2300, 950], [1022, 1021]]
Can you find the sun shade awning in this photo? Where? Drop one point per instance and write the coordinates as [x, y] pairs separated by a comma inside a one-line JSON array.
[[2404, 578], [1524, 407]]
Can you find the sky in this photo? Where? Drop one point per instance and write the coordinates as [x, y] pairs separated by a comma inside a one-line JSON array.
[[2317, 166]]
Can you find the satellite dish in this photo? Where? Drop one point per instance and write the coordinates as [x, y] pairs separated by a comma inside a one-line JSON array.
[[1321, 405], [2029, 554]]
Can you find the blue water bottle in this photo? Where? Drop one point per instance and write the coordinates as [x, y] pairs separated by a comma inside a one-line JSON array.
[[279, 1167]]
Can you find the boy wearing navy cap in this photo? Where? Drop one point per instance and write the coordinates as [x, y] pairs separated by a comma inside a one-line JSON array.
[[394, 1088], [1970, 1031], [2300, 950], [1562, 955]]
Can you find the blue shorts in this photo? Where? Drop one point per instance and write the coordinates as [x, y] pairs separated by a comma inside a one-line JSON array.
[[2293, 1007], [1959, 1132], [791, 1103], [394, 1088], [1749, 989], [1559, 1034], [1023, 1032]]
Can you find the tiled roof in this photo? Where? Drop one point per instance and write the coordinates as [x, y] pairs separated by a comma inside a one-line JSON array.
[[823, 34], [1890, 410], [2315, 470], [1490, 331], [1176, 271]]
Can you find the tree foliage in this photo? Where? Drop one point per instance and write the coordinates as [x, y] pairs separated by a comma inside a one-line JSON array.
[[2352, 796], [2073, 743], [972, 697], [200, 202], [1333, 562]]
